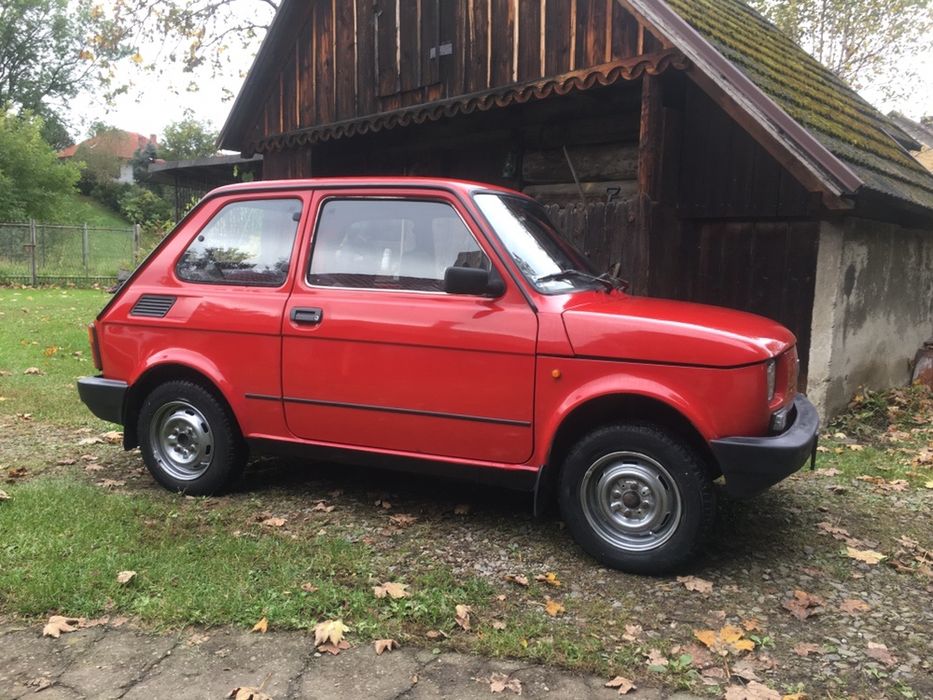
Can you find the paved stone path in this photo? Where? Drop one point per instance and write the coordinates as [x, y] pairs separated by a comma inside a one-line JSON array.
[[107, 662]]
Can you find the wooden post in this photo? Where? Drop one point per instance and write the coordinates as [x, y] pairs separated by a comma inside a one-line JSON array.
[[135, 245], [649, 168], [32, 249], [85, 251]]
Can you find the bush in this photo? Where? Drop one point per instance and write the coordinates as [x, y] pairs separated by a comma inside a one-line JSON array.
[[144, 207]]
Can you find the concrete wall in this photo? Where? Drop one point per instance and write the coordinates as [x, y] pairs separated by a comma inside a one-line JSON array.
[[873, 308]]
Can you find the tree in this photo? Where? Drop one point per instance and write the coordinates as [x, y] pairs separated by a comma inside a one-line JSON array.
[[188, 138], [51, 49], [861, 41], [32, 180]]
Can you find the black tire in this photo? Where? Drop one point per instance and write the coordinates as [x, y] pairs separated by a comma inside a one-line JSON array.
[[628, 513], [203, 429]]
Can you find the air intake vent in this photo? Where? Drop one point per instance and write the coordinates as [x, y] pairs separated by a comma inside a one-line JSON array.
[[152, 306]]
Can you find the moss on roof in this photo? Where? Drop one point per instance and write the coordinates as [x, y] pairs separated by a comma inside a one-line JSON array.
[[836, 115]]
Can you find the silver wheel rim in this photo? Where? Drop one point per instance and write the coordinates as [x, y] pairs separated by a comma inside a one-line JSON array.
[[631, 501], [181, 440]]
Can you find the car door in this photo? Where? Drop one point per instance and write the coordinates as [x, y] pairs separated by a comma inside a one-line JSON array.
[[377, 355]]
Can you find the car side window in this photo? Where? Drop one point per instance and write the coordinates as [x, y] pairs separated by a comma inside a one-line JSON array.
[[246, 243], [391, 244]]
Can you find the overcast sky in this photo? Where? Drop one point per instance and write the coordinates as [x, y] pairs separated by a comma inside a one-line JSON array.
[[157, 100]]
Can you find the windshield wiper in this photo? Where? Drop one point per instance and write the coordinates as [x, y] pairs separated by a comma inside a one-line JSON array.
[[608, 282]]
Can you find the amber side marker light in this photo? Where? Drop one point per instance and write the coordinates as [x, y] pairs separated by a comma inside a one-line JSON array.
[[95, 350]]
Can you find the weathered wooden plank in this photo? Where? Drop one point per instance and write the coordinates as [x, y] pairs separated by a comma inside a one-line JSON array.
[[624, 32], [290, 91], [345, 57], [477, 47], [409, 38], [592, 163], [324, 105], [306, 75], [430, 41], [366, 85], [387, 69], [557, 37], [502, 38], [569, 193], [528, 26]]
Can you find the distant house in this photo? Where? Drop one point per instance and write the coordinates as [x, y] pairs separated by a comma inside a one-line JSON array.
[[922, 133], [687, 145], [122, 145]]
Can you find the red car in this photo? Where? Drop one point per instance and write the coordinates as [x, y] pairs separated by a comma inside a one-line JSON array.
[[443, 327]]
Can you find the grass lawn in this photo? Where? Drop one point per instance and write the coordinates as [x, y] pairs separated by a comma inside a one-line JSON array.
[[80, 209], [301, 543]]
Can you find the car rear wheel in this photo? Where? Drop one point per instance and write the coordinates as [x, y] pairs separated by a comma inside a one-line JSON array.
[[636, 498], [189, 440]]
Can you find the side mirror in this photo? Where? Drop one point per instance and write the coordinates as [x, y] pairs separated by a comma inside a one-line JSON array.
[[473, 281]]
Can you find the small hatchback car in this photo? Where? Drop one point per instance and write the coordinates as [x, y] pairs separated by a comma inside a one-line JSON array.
[[443, 327]]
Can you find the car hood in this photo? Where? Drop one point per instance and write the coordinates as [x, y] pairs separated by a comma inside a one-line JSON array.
[[656, 330]]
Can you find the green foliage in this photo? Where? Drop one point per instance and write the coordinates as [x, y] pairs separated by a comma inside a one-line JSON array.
[[32, 180], [188, 138], [862, 41], [146, 208]]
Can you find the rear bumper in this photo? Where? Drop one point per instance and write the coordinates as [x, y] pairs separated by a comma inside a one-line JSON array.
[[104, 397], [751, 465]]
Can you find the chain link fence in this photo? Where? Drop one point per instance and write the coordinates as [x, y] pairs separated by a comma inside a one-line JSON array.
[[35, 253]]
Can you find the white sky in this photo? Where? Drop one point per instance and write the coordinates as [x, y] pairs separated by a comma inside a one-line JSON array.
[[154, 101]]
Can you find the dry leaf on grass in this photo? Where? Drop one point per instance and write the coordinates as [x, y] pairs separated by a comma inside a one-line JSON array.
[[322, 507], [462, 617], [868, 556], [632, 633], [246, 693], [309, 588], [752, 691], [435, 634], [393, 590], [262, 626], [729, 639], [273, 522], [880, 652], [804, 605], [111, 484], [382, 645], [66, 462], [553, 607], [403, 519], [806, 648], [550, 578], [853, 606], [4, 496], [112, 436], [498, 625], [39, 684], [124, 577], [329, 632], [517, 579], [90, 441], [463, 509], [752, 625], [33, 370], [694, 583], [656, 660], [623, 684], [58, 624], [499, 683]]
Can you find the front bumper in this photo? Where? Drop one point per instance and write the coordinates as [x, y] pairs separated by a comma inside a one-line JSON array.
[[104, 397], [752, 464]]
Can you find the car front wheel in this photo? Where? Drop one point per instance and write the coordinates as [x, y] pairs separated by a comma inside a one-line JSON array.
[[636, 498], [188, 439]]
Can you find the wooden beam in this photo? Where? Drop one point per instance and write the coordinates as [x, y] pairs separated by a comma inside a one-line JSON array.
[[651, 133]]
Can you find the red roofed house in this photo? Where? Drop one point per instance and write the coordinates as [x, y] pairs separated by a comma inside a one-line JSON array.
[[123, 145]]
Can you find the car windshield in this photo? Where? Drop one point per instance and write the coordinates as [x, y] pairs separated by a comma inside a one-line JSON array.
[[549, 263]]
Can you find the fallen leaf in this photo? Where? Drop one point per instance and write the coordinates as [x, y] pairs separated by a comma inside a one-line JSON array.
[[329, 632], [550, 578], [553, 607], [867, 556], [111, 483], [623, 684], [262, 626], [880, 652], [853, 606], [246, 693], [322, 507], [727, 640], [124, 577], [403, 519], [463, 509], [745, 670], [929, 484], [68, 461], [806, 648], [499, 682], [112, 436], [435, 634], [632, 633], [752, 691], [40, 683], [59, 624], [16, 473], [657, 660], [517, 579], [856, 448], [393, 590], [273, 522], [804, 605], [309, 588], [462, 617], [33, 370], [382, 645], [752, 625], [795, 696], [694, 583], [498, 625], [4, 496], [90, 441]]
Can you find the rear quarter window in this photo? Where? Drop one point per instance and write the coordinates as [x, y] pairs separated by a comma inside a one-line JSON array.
[[246, 243]]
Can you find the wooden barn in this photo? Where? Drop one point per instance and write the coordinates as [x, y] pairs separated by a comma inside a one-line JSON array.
[[686, 144]]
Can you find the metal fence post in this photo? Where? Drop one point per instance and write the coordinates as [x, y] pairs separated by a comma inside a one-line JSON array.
[[32, 249], [135, 245], [85, 250]]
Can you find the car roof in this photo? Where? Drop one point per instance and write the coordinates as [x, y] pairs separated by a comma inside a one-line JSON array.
[[461, 186]]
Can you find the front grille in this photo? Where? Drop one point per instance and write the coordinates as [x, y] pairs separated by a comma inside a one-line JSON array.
[[152, 306]]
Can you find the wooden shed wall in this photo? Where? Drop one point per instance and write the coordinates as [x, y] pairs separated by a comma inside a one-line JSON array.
[[353, 58]]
